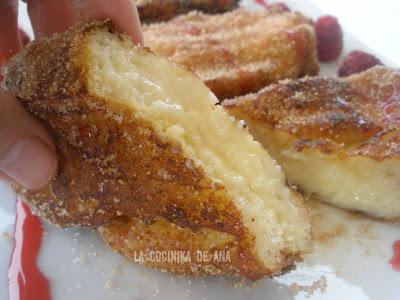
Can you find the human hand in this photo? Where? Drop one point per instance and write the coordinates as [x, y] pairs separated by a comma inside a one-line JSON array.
[[27, 153]]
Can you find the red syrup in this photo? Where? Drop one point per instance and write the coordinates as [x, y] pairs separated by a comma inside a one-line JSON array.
[[262, 2], [395, 261], [25, 280]]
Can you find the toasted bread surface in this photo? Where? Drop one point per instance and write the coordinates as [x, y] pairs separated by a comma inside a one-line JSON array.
[[334, 137], [162, 10], [238, 52], [124, 166]]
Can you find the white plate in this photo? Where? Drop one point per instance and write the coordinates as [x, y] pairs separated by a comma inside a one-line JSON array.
[[350, 261]]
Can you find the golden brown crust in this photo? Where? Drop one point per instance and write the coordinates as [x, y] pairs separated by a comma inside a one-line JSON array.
[[356, 116], [113, 166], [114, 162], [238, 52], [104, 147], [221, 253], [225, 254], [163, 10]]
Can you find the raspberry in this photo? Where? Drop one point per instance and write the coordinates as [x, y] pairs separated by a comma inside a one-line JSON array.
[[24, 37], [356, 62], [329, 38]]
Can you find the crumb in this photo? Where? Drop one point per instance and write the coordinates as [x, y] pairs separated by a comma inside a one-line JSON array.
[[255, 284], [116, 269], [156, 291], [324, 232], [239, 283], [109, 284], [7, 235], [365, 231], [189, 164], [325, 236], [319, 285], [80, 259], [366, 252]]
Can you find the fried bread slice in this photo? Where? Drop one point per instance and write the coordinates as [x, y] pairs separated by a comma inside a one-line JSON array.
[[336, 138], [141, 143], [240, 51], [163, 10]]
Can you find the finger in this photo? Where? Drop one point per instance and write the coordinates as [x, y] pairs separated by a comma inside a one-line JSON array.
[[27, 154], [50, 16], [9, 41], [8, 179], [23, 37], [123, 12]]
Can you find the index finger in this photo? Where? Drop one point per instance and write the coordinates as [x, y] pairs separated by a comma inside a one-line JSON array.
[[123, 12], [9, 40], [49, 16]]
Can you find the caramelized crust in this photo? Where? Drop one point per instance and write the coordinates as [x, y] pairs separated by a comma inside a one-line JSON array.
[[356, 116], [110, 162], [238, 52], [163, 10], [116, 174], [221, 254], [335, 138]]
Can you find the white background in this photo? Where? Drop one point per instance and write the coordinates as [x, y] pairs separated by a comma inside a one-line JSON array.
[[374, 22]]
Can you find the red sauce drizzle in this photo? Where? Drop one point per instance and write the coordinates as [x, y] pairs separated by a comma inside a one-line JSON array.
[[395, 261], [263, 3], [25, 280]]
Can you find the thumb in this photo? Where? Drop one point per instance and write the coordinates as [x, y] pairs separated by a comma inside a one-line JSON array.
[[27, 154]]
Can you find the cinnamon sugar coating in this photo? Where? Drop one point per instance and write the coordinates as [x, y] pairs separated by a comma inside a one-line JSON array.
[[163, 10], [356, 116], [116, 174], [238, 52]]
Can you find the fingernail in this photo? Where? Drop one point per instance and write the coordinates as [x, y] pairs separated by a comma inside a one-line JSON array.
[[29, 162]]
